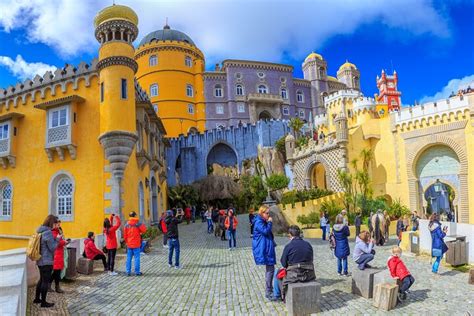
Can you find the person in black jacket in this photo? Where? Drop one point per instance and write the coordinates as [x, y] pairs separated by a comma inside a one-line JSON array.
[[297, 259], [215, 219], [173, 237]]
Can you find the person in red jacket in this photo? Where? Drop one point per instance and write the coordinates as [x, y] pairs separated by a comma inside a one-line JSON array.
[[110, 228], [399, 271], [187, 214], [91, 250], [231, 223], [164, 229], [133, 238], [58, 262]]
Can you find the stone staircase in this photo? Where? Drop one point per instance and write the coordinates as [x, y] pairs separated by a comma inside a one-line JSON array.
[[13, 282]]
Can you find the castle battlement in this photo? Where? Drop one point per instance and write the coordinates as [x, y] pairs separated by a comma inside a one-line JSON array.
[[60, 77], [347, 93], [321, 119], [313, 146], [430, 111], [363, 103]]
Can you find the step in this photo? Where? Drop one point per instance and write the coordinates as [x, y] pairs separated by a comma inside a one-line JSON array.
[[9, 305], [11, 281], [12, 261]]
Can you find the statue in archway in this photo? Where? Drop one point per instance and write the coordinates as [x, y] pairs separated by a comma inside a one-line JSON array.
[[437, 195]]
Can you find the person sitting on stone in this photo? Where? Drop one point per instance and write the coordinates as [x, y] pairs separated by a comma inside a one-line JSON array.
[[297, 262], [364, 250]]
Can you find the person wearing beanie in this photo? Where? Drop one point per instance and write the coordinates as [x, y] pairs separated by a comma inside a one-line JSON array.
[[173, 237], [133, 238]]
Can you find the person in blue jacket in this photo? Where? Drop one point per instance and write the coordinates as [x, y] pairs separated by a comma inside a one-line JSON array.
[[438, 247], [341, 233], [263, 247]]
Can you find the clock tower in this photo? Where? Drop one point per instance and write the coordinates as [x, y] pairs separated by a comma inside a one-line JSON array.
[[388, 92]]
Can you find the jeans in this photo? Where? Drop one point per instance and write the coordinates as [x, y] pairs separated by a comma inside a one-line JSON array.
[[232, 238], [357, 230], [111, 259], [406, 283], [269, 272], [133, 252], [364, 259], [56, 277], [43, 283], [323, 228], [341, 262], [276, 284], [436, 264], [210, 227], [165, 239], [173, 244]]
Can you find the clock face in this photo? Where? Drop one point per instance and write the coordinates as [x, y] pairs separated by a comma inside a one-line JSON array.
[[391, 85]]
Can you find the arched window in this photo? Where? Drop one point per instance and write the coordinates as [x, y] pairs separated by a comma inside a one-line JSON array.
[[321, 72], [239, 89], [262, 89], [153, 60], [154, 90], [191, 108], [188, 61], [141, 201], [6, 192], [299, 96], [62, 197], [189, 90], [284, 94], [218, 91]]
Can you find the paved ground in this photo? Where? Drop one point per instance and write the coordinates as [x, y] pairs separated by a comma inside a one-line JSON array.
[[216, 281]]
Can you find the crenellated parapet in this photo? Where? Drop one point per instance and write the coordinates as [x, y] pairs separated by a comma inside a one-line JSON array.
[[361, 104], [312, 147], [442, 111], [14, 95], [341, 95]]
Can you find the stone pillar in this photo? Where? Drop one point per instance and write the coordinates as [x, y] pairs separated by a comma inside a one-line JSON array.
[[118, 146]]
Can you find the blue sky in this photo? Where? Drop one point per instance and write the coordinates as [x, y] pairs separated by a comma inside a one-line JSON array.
[[429, 43]]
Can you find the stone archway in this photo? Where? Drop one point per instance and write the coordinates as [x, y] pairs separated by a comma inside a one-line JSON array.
[[310, 169], [223, 155], [415, 186], [318, 176], [265, 116]]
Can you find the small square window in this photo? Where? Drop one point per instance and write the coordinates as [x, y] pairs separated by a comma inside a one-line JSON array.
[[301, 113], [286, 110], [241, 108], [219, 109]]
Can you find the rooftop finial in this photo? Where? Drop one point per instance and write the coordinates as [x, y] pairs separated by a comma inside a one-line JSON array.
[[166, 27]]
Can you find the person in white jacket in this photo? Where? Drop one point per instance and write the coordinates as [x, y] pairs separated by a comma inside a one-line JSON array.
[[364, 250]]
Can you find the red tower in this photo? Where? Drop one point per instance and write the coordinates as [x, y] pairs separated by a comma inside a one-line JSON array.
[[388, 92]]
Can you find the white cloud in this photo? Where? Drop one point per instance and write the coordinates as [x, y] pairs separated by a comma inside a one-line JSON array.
[[24, 70], [453, 86], [250, 29]]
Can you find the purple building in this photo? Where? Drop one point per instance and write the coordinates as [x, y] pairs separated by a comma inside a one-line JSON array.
[[242, 91]]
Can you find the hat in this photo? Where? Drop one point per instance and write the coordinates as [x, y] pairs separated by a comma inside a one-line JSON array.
[[132, 214]]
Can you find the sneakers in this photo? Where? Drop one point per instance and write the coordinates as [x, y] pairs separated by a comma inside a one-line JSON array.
[[340, 274], [138, 274], [177, 267], [129, 274], [346, 274], [230, 249], [113, 273], [170, 265], [36, 301]]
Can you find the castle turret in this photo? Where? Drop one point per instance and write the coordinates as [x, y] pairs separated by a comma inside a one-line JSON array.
[[388, 91], [349, 75], [342, 136], [315, 70], [116, 29], [289, 146]]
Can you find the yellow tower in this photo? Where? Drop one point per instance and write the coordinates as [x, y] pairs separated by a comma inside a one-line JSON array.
[[170, 68], [116, 29]]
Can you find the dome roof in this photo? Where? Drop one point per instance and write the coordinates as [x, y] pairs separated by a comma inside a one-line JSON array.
[[331, 78], [116, 12], [313, 55], [166, 34], [347, 65]]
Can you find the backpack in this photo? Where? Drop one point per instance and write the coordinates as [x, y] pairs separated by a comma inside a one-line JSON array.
[[33, 251], [332, 241], [159, 225]]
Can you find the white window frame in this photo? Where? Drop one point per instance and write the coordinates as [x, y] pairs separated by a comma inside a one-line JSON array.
[[241, 89], [299, 96], [189, 90], [190, 108], [2, 126], [240, 107], [220, 109], [6, 205], [262, 91], [301, 114], [286, 110], [188, 61], [53, 195], [218, 92], [153, 60], [65, 200], [152, 86], [284, 93], [58, 110]]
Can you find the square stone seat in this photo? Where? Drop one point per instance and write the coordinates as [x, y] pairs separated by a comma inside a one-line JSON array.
[[303, 298], [384, 277], [471, 276], [85, 266], [363, 281], [385, 296]]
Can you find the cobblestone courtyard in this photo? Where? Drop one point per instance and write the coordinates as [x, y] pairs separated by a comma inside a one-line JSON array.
[[216, 281]]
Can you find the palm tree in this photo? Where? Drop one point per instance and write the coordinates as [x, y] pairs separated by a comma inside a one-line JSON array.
[[296, 125]]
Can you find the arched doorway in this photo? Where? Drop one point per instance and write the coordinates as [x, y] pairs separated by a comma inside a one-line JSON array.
[[437, 170], [222, 155], [265, 116], [193, 130], [154, 200], [318, 176]]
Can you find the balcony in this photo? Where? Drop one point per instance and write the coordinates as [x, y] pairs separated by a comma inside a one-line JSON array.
[[6, 157], [10, 121], [58, 139], [264, 98]]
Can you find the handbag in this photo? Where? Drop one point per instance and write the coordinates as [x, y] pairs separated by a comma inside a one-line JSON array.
[[436, 252], [281, 274]]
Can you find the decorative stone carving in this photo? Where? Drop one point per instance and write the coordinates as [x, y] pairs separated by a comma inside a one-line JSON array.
[[118, 145], [118, 60]]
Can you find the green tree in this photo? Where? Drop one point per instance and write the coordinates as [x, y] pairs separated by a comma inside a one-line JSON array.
[[296, 125], [277, 182], [280, 146], [183, 195]]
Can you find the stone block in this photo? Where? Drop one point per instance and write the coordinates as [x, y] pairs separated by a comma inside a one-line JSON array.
[[385, 296], [363, 282], [456, 254], [383, 277], [471, 276], [85, 266], [303, 298]]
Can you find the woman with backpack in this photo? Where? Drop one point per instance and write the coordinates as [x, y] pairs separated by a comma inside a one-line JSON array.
[[438, 246], [341, 233], [48, 246], [110, 230], [58, 262]]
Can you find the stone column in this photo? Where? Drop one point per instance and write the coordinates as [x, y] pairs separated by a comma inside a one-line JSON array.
[[118, 145]]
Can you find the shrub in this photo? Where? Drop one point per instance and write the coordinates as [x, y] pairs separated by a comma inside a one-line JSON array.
[[397, 209], [151, 233], [332, 209], [277, 182], [280, 146], [308, 220]]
